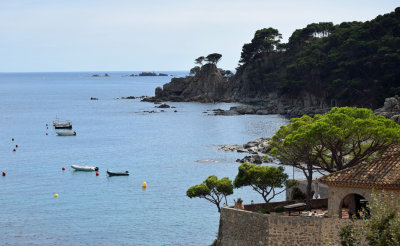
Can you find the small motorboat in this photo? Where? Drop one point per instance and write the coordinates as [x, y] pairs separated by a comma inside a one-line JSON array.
[[84, 168], [66, 133], [62, 124], [110, 173]]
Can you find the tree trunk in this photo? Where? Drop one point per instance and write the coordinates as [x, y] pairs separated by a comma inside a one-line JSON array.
[[308, 190], [219, 209]]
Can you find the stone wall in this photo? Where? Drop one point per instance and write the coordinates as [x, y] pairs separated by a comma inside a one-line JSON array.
[[315, 203], [240, 227]]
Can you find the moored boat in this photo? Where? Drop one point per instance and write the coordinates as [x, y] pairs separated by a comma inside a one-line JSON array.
[[66, 133], [110, 173], [62, 124], [84, 168]]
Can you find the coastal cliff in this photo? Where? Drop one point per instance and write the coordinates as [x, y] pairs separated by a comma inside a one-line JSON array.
[[323, 65], [207, 86]]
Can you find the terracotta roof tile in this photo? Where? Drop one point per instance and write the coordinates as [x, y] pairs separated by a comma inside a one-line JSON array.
[[383, 172]]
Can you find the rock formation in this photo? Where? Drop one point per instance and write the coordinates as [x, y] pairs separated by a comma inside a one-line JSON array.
[[390, 109], [207, 86], [258, 148]]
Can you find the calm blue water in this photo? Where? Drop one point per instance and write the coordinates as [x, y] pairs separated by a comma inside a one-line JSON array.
[[162, 149]]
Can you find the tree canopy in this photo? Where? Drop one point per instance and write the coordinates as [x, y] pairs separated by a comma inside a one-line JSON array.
[[213, 190], [265, 41], [194, 70], [263, 179], [349, 64], [213, 58], [339, 139], [199, 60]]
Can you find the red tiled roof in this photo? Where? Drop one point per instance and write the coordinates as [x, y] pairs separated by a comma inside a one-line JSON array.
[[380, 173]]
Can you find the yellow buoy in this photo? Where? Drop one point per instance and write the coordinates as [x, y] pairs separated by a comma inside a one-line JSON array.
[[55, 195], [144, 184]]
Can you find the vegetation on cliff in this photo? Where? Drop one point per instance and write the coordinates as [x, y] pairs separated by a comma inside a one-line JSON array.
[[353, 63]]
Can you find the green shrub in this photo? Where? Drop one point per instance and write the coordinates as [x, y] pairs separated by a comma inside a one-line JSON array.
[[279, 209], [297, 194], [263, 211]]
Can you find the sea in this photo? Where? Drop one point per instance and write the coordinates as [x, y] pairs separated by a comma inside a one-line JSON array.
[[170, 149]]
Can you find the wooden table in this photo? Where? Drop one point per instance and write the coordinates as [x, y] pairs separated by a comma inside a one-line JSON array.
[[295, 207]]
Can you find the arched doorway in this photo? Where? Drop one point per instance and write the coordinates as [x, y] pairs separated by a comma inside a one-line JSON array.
[[352, 205]]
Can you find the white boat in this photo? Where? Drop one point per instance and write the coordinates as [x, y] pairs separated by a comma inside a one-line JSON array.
[[66, 133], [84, 168], [62, 124]]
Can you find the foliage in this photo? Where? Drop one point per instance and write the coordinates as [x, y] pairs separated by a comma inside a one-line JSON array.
[[341, 138], [265, 41], [381, 223], [297, 194], [383, 226], [213, 58], [263, 179], [353, 63], [225, 73], [199, 60], [213, 190], [195, 70], [264, 211], [279, 209], [214, 243], [349, 235]]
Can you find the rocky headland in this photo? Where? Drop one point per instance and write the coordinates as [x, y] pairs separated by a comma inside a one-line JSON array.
[[210, 86], [207, 86], [309, 74]]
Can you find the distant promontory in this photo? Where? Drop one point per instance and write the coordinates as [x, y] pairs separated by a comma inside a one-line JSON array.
[[321, 66]]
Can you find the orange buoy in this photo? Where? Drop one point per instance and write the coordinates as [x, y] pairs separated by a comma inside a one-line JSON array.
[[47, 134], [47, 124], [97, 173], [14, 150], [63, 168], [4, 173], [47, 127]]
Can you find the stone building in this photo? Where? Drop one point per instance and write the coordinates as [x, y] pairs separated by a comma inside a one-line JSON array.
[[350, 189]]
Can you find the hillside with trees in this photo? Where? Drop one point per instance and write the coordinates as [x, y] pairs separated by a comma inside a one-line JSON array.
[[321, 66], [353, 63]]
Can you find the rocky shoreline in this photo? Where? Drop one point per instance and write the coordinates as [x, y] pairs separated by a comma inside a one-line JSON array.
[[289, 112], [210, 86], [257, 148]]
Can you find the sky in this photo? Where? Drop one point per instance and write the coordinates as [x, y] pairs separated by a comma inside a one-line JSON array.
[[153, 35]]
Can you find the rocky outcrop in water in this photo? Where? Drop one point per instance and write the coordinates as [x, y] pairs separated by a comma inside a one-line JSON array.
[[390, 109], [258, 148]]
